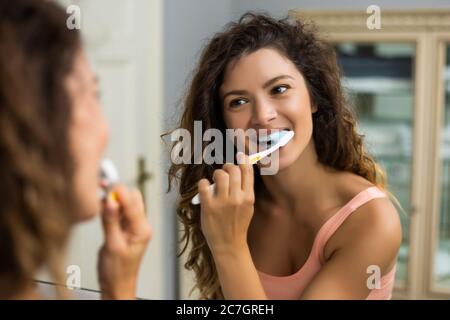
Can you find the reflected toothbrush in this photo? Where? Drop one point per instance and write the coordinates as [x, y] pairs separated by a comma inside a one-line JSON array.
[[109, 176]]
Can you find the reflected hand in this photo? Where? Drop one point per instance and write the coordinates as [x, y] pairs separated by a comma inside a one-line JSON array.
[[127, 234]]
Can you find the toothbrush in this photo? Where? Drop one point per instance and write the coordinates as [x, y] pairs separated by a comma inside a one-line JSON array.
[[283, 138], [108, 174]]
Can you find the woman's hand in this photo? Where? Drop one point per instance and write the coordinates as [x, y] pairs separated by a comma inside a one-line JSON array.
[[225, 219], [127, 234], [226, 215]]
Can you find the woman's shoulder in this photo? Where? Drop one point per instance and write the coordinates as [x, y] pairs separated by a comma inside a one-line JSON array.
[[350, 184], [374, 224], [373, 210]]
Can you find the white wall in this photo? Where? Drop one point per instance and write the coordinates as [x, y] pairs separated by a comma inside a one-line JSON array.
[[187, 26]]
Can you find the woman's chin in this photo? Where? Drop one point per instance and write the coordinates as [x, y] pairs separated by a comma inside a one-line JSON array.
[[284, 164], [276, 164], [87, 209], [287, 158], [86, 215]]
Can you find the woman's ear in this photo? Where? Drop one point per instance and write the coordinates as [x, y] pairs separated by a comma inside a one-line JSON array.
[[314, 108]]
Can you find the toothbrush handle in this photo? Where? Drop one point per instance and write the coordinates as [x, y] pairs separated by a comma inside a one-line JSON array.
[[253, 159], [196, 200]]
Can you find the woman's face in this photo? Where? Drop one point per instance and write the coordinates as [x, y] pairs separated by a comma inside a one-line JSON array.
[[265, 90], [89, 134]]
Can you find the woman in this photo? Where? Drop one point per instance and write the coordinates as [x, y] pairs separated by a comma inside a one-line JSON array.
[[322, 227], [52, 137]]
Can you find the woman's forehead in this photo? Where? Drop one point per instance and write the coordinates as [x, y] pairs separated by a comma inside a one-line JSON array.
[[257, 67]]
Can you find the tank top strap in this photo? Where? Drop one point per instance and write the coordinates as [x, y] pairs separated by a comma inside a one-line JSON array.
[[333, 223]]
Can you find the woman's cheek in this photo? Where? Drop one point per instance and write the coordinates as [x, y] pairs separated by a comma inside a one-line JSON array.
[[106, 134], [86, 180], [85, 150]]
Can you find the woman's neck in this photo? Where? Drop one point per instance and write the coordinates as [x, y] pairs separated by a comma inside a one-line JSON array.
[[302, 186]]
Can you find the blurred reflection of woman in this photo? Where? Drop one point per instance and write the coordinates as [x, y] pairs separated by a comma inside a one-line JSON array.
[[52, 137]]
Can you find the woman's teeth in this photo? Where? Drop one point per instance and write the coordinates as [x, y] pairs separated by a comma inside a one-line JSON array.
[[272, 138]]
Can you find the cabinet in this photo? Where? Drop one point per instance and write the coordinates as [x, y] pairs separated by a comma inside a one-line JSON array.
[[398, 81]]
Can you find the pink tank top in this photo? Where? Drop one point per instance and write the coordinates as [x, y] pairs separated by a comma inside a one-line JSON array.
[[291, 287]]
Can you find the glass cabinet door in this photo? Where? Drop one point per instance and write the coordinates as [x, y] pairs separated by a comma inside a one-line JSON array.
[[379, 80], [441, 270]]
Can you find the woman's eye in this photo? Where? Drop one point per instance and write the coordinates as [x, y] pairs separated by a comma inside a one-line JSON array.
[[237, 102], [279, 89]]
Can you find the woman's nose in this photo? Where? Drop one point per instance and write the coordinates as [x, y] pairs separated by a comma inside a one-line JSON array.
[[263, 113]]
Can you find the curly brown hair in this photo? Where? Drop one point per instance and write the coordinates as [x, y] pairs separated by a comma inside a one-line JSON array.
[[37, 52], [337, 142]]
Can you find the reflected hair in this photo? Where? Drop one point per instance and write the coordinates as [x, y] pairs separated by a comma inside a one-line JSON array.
[[37, 53]]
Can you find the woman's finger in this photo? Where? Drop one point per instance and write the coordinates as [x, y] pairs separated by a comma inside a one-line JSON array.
[[132, 205], [234, 174], [204, 191], [246, 172], [222, 181], [111, 220]]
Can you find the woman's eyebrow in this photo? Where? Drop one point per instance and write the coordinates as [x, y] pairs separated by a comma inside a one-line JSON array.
[[235, 92], [273, 80]]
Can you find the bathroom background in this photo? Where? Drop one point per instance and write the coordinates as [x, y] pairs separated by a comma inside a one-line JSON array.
[[398, 79]]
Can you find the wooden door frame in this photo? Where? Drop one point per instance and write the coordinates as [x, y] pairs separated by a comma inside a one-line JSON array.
[[440, 40]]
